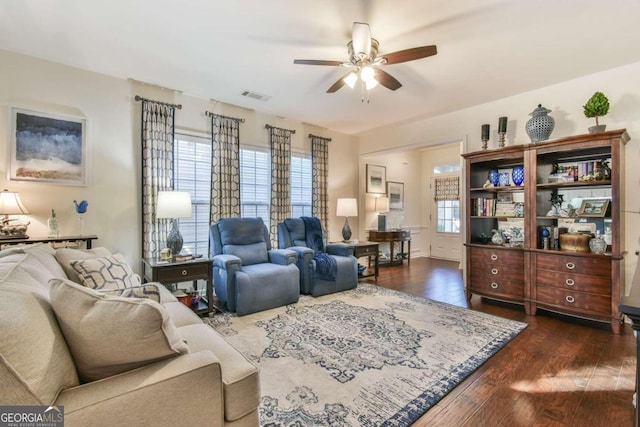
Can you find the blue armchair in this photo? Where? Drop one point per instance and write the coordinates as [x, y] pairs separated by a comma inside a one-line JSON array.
[[324, 268], [248, 275]]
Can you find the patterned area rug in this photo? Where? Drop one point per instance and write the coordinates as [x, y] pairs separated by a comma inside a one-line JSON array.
[[366, 357]]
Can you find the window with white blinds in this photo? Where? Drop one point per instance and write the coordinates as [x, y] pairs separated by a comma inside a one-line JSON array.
[[301, 186], [255, 183], [192, 173]]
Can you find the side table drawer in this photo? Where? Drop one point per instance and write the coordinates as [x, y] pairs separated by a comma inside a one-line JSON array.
[[574, 301], [365, 251], [181, 272]]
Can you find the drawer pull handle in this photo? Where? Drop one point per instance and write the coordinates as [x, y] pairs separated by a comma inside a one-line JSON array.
[[570, 282], [570, 265], [494, 271], [570, 299], [494, 285], [184, 272], [494, 257]]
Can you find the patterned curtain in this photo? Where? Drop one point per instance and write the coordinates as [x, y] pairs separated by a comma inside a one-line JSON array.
[[225, 167], [158, 120], [447, 188], [320, 173], [280, 141]]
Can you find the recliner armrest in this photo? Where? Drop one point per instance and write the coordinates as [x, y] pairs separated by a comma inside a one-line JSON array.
[[282, 256], [301, 251], [226, 262], [340, 249]]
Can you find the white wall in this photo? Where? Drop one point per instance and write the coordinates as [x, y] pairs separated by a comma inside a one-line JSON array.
[[565, 100], [113, 140]]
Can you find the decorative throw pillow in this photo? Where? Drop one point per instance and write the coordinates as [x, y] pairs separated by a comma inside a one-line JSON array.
[[66, 255], [109, 335], [105, 273]]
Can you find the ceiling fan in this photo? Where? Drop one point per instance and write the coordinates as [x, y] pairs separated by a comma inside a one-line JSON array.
[[363, 56]]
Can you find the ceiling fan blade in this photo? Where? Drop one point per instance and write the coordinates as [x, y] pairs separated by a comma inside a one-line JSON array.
[[337, 85], [361, 38], [317, 62], [386, 79], [410, 54]]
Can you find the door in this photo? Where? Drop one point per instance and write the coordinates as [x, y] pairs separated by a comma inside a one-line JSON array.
[[446, 239]]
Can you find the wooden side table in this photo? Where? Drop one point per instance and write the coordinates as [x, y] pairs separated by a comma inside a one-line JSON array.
[[393, 236], [369, 250], [169, 273]]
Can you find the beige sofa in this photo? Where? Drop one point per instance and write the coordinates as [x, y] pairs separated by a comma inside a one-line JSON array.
[[201, 381]]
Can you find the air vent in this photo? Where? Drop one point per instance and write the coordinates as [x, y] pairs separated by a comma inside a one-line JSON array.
[[255, 95]]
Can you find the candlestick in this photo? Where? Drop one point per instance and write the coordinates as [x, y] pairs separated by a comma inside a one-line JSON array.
[[485, 136], [502, 124], [501, 139]]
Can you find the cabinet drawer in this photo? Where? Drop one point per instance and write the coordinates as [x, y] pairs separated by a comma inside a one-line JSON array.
[[498, 287], [498, 271], [574, 264], [574, 301], [181, 272], [575, 282], [495, 256]]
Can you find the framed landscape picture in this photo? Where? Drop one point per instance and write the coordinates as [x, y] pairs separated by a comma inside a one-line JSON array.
[[376, 179], [47, 148], [395, 193], [594, 207]]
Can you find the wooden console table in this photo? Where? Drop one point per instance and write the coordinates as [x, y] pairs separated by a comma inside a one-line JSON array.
[[51, 240], [393, 236]]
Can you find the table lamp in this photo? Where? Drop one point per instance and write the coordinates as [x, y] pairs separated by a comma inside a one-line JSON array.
[[347, 208], [382, 206], [174, 205], [10, 204]]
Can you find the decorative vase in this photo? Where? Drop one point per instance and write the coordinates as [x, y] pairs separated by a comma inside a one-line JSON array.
[[494, 177], [504, 180], [517, 173], [497, 238], [540, 125], [597, 245], [597, 128]]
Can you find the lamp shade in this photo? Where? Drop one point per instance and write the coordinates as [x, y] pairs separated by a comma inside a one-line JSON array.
[[173, 204], [382, 204], [347, 207], [10, 204]]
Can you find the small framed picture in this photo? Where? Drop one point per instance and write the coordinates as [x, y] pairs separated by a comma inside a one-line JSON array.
[[376, 179], [395, 193], [594, 207]]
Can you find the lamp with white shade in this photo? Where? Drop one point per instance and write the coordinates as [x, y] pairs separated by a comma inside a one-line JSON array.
[[382, 207], [10, 204], [347, 208], [174, 205]]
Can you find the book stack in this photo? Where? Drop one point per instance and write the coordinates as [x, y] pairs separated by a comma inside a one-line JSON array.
[[484, 207]]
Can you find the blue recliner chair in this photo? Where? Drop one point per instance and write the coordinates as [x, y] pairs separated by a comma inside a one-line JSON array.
[[324, 268], [248, 275]]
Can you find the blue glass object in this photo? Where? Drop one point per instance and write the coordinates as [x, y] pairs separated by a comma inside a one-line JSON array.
[[494, 177], [517, 173], [504, 179]]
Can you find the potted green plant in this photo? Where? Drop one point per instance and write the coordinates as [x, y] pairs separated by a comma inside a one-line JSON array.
[[597, 106]]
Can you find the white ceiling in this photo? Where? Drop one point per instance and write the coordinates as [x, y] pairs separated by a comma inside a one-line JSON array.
[[213, 49]]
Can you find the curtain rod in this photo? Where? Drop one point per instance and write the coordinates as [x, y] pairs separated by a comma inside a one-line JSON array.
[[319, 137], [211, 114], [268, 126], [139, 98]]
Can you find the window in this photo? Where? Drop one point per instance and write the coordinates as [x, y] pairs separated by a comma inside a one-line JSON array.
[[446, 168], [448, 216], [301, 187], [192, 173], [255, 183]]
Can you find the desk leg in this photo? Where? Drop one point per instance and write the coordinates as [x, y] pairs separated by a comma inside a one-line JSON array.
[[377, 263], [409, 253]]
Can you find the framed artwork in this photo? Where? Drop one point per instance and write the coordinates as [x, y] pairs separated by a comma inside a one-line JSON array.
[[594, 208], [48, 148], [376, 179], [395, 193]]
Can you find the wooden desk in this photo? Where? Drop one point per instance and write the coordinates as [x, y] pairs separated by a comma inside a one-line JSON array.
[[51, 240], [393, 236]]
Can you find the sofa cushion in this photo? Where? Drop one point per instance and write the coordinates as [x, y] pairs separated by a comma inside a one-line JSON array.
[[255, 253], [180, 314], [44, 254], [64, 256], [109, 335], [105, 273], [35, 362], [148, 290], [239, 376]]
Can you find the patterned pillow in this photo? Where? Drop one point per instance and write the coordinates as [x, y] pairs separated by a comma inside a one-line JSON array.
[[105, 273], [149, 291]]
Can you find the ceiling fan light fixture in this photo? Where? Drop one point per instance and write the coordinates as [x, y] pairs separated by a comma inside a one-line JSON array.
[[371, 83], [351, 79]]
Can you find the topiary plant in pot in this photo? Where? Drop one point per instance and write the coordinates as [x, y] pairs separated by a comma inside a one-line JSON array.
[[597, 106]]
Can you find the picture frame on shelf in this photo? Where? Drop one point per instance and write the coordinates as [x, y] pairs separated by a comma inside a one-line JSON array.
[[395, 193], [376, 179], [47, 148], [594, 208]]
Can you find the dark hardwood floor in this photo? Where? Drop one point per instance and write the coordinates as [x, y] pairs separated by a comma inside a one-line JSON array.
[[558, 372]]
